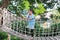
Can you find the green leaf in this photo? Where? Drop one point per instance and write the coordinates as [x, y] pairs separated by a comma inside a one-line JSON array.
[[39, 10], [26, 4]]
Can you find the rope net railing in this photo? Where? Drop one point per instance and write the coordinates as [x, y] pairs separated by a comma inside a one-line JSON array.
[[42, 28], [20, 27]]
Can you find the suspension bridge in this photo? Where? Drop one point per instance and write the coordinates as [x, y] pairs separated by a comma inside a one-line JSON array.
[[5, 25]]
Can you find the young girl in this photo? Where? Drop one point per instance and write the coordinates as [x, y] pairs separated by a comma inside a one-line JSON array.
[[31, 22]]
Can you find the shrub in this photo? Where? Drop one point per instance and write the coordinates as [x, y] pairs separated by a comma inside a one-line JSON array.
[[3, 35]]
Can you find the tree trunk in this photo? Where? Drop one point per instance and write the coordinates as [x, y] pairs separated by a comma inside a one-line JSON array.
[[5, 4]]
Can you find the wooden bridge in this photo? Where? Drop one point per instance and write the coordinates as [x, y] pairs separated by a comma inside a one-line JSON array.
[[5, 25]]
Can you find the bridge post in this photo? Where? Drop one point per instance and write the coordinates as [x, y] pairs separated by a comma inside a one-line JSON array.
[[1, 17], [9, 37]]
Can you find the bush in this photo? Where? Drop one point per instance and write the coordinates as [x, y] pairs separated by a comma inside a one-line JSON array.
[[15, 38], [59, 9], [3, 35], [39, 10]]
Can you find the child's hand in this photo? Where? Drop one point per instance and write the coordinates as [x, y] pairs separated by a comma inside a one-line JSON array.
[[24, 18]]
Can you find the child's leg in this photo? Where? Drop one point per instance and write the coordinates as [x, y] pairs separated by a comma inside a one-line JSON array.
[[27, 30], [32, 32]]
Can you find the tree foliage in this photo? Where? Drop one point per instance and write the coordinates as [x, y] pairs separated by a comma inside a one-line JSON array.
[[4, 36], [59, 10], [25, 4], [39, 10]]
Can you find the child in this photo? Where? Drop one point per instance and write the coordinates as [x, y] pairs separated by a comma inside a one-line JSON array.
[[31, 22]]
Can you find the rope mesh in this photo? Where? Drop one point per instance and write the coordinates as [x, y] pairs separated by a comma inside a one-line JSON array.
[[42, 28]]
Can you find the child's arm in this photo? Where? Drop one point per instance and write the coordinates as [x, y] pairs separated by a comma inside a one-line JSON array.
[[29, 18], [32, 17], [23, 17]]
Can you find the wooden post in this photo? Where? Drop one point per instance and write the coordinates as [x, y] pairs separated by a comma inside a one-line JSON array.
[[0, 17], [9, 37]]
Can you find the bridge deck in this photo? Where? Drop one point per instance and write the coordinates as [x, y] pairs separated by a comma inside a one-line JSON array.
[[12, 32], [47, 38]]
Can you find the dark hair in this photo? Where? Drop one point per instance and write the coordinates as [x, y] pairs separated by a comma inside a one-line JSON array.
[[31, 10]]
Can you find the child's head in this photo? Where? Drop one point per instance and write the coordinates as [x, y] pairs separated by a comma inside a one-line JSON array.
[[30, 11]]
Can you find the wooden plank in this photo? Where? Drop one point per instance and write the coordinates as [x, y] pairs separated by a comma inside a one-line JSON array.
[[35, 38], [52, 38], [47, 38], [39, 38], [57, 38], [43, 38], [59, 34]]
